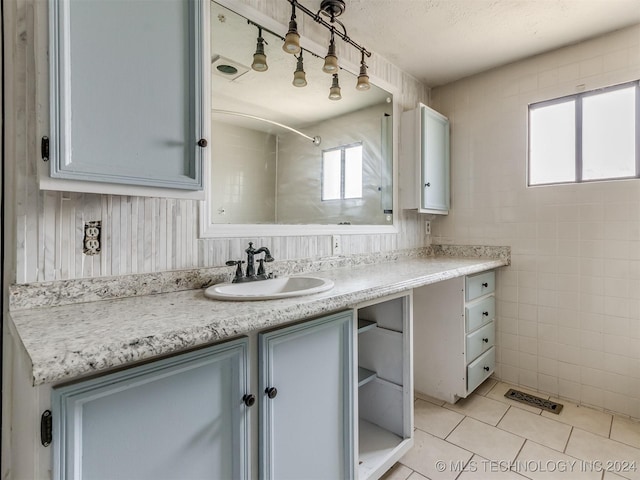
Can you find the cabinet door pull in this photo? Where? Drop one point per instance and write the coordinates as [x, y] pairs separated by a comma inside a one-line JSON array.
[[202, 142], [44, 149], [428, 184], [485, 340], [485, 285], [485, 314], [249, 400], [487, 368], [271, 392], [46, 430]]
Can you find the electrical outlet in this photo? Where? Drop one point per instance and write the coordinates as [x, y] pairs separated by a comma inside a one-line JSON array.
[[336, 245], [427, 227], [92, 237]]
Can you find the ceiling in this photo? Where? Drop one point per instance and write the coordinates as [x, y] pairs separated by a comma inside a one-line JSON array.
[[440, 41]]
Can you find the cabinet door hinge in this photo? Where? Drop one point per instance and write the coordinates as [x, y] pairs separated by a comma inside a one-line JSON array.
[[44, 148], [46, 428]]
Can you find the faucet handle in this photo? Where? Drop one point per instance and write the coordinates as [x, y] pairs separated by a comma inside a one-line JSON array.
[[231, 263], [238, 263]]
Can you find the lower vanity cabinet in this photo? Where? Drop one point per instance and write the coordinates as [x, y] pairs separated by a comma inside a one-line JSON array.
[[385, 384], [306, 391], [188, 416], [179, 417], [454, 332]]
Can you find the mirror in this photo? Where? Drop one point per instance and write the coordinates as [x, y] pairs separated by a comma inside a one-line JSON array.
[[265, 167]]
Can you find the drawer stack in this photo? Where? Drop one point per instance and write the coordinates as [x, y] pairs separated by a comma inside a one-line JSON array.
[[479, 312], [454, 335]]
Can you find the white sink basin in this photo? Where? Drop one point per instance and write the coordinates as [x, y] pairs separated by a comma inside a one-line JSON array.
[[269, 289]]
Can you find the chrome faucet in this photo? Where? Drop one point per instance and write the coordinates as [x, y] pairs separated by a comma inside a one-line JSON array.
[[251, 274]]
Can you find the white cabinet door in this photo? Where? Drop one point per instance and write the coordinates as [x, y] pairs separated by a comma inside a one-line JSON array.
[[306, 400], [424, 161], [435, 160], [127, 92], [180, 417]]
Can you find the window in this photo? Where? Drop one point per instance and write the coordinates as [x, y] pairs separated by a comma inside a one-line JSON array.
[[342, 172], [586, 137]]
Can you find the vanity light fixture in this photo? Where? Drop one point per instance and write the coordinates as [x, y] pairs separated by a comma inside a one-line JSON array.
[[331, 9], [299, 77], [292, 39], [259, 58], [334, 91], [363, 78]]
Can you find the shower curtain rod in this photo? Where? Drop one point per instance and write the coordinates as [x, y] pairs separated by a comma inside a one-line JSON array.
[[316, 140]]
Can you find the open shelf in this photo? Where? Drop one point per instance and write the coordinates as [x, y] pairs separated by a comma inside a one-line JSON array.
[[376, 446], [365, 376], [384, 386], [381, 350], [364, 325]]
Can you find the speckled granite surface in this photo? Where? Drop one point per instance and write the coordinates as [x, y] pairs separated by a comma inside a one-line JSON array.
[[66, 292], [68, 341], [472, 251]]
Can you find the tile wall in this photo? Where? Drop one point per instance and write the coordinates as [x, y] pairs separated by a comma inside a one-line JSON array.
[[569, 306], [139, 234], [243, 164]]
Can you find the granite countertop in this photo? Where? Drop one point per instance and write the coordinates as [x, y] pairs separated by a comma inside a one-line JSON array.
[[69, 341]]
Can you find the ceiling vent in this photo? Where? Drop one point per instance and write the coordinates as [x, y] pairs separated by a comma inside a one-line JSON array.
[[226, 68]]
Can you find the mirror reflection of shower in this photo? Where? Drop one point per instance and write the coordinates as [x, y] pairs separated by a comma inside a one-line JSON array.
[[267, 162], [315, 140]]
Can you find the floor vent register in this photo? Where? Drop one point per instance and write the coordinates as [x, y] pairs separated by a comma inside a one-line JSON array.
[[534, 401]]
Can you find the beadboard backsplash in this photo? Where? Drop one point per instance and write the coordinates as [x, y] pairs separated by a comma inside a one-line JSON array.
[[142, 235]]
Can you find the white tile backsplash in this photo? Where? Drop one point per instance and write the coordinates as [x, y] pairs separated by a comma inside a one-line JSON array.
[[575, 248]]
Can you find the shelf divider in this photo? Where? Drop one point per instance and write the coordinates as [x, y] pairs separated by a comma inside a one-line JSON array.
[[364, 325], [365, 376]]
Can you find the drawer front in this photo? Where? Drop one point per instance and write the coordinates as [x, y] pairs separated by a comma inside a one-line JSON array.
[[480, 313], [480, 284], [480, 369], [480, 341]]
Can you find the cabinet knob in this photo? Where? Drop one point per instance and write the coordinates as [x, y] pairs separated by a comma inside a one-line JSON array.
[[487, 368], [428, 184], [202, 142], [485, 340], [271, 392], [485, 314], [249, 400], [485, 285]]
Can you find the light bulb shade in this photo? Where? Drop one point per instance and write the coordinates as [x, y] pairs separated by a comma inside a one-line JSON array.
[[292, 38], [363, 78], [334, 91], [331, 60], [299, 77], [259, 58], [259, 62], [330, 64], [363, 82]]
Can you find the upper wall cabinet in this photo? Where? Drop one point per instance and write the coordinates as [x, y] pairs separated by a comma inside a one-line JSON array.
[[127, 100], [424, 161]]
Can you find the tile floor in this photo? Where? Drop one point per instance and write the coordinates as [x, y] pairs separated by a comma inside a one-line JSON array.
[[488, 436]]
